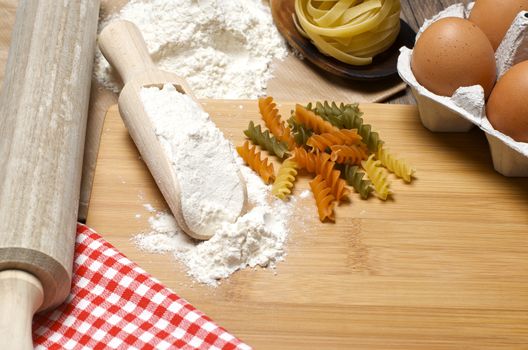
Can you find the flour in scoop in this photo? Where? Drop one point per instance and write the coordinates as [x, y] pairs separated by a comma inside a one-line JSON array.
[[207, 166], [202, 159]]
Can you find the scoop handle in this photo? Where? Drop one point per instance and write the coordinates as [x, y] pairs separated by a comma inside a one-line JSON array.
[[123, 46], [21, 295]]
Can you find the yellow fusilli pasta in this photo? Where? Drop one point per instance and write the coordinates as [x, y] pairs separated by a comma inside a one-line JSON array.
[[324, 199], [378, 177], [397, 166], [339, 137], [286, 176], [261, 166]]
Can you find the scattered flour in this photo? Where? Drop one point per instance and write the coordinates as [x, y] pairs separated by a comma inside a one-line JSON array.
[[256, 238], [224, 48], [212, 196], [166, 237], [305, 194], [202, 159], [148, 207]]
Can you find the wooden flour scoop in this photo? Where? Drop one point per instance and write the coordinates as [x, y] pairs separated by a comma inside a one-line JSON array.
[[123, 46]]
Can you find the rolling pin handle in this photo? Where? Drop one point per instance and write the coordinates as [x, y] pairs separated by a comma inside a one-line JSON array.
[[22, 296], [123, 46]]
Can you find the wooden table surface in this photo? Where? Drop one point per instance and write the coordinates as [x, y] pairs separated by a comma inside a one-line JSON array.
[[442, 265]]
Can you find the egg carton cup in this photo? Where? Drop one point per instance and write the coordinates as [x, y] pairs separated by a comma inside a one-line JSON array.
[[466, 107]]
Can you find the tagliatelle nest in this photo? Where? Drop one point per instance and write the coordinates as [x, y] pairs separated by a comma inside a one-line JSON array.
[[349, 30]]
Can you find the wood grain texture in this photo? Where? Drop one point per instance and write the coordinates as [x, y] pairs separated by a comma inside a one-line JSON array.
[[7, 13], [442, 265], [43, 111]]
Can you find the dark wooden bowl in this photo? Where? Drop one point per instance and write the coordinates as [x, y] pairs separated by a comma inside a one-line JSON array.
[[383, 65]]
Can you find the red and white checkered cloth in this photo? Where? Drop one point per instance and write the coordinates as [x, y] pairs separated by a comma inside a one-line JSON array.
[[114, 304]]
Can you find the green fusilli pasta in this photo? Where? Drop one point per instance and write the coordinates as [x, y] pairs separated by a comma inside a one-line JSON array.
[[266, 141], [301, 134], [355, 178], [336, 114], [348, 117]]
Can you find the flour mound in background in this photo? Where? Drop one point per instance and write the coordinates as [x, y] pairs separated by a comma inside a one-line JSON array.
[[223, 48], [256, 238]]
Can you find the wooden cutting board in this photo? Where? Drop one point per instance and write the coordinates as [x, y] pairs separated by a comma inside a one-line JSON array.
[[443, 265]]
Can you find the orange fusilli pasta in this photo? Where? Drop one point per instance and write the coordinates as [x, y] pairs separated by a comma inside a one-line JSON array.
[[321, 164], [261, 166], [353, 154], [324, 199], [272, 119], [340, 137], [312, 121]]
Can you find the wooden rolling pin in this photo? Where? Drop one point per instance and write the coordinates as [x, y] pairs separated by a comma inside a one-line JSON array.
[[43, 111]]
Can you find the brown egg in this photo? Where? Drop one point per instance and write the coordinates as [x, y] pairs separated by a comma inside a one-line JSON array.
[[451, 53], [507, 107], [495, 17]]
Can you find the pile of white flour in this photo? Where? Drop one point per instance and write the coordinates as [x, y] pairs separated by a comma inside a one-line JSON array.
[[212, 195], [223, 48]]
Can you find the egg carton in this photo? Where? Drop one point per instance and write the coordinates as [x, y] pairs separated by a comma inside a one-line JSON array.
[[466, 107]]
